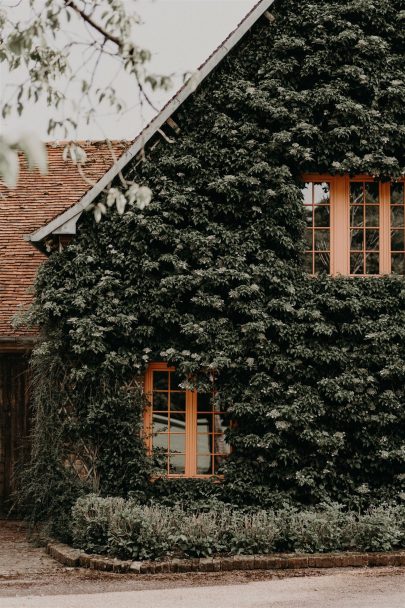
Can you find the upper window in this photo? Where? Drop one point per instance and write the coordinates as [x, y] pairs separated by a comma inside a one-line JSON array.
[[185, 428], [355, 226]]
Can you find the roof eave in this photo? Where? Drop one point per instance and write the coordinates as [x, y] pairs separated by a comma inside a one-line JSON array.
[[73, 213]]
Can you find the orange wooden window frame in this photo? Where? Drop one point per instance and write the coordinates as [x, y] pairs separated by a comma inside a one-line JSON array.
[[190, 430], [340, 243]]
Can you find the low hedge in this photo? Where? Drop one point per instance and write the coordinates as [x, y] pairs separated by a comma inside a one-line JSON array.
[[128, 530]]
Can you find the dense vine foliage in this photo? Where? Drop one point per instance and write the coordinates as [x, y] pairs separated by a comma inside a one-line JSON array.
[[210, 276]]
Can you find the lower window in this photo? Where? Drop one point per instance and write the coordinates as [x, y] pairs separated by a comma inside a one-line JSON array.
[[184, 428]]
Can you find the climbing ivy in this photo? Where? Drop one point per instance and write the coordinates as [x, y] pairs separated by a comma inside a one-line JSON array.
[[210, 275]]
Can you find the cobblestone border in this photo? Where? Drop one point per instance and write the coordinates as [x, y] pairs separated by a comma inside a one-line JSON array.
[[68, 556]]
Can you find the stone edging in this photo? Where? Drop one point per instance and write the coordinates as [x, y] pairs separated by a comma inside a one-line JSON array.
[[75, 557]]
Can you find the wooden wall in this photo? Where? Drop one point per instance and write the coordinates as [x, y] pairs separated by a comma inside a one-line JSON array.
[[14, 418]]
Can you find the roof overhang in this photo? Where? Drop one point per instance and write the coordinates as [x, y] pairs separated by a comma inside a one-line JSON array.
[[66, 223]]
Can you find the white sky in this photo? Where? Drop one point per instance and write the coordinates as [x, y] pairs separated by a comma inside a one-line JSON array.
[[180, 33]]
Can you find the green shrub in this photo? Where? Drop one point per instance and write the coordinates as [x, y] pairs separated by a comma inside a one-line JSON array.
[[128, 530]]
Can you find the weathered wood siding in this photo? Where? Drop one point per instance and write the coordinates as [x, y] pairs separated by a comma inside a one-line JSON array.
[[14, 417]]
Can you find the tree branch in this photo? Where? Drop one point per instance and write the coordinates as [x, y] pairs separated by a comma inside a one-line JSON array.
[[90, 21]]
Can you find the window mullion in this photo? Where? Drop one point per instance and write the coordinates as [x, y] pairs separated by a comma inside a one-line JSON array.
[[385, 229], [340, 229], [191, 433]]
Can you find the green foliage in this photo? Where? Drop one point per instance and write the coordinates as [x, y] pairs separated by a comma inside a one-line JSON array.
[[128, 530], [210, 274]]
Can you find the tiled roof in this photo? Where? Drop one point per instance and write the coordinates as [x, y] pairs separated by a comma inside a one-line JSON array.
[[35, 201]]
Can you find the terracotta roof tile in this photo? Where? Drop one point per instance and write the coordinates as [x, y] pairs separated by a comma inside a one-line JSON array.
[[34, 202]]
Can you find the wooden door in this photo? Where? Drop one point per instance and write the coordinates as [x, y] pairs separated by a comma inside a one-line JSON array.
[[14, 418]]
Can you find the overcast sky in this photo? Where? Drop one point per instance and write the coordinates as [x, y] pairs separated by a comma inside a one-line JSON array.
[[180, 33]]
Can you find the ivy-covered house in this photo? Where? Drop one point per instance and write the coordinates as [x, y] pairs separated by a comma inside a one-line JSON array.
[[248, 324]]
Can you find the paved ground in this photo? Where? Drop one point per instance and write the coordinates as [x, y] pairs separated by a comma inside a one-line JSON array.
[[31, 579]]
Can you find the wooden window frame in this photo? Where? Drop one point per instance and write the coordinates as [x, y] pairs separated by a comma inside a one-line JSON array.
[[190, 428], [340, 222]]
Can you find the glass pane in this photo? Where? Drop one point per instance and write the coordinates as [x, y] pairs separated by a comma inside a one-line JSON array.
[[161, 441], [204, 423], [203, 443], [160, 381], [178, 401], [356, 193], [397, 216], [160, 401], [321, 193], [177, 463], [307, 193], [397, 240], [175, 381], [372, 240], [398, 263], [160, 423], [372, 263], [204, 402], [356, 263], [309, 216], [322, 262], [308, 239], [372, 215], [220, 423], [322, 216], [356, 216], [204, 464], [372, 192], [177, 423], [397, 193], [219, 460], [356, 243], [177, 443], [308, 263], [321, 240]]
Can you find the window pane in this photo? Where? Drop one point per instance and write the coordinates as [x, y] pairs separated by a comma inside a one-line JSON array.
[[372, 215], [177, 442], [397, 240], [307, 193], [321, 193], [204, 443], [177, 423], [160, 423], [322, 240], [322, 216], [178, 402], [356, 193], [398, 263], [308, 238], [175, 380], [308, 264], [372, 263], [160, 401], [356, 216], [160, 381], [161, 441], [204, 464], [397, 216], [372, 192], [372, 240], [397, 193], [204, 423], [322, 262], [356, 263], [204, 402], [177, 463], [357, 241]]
